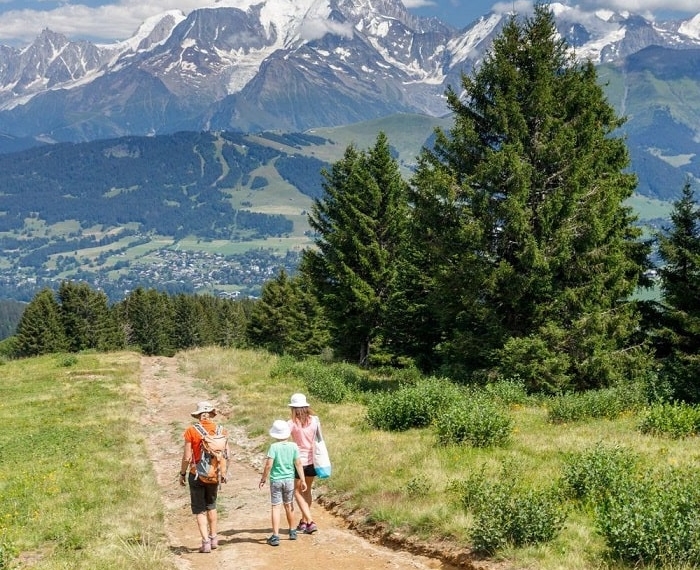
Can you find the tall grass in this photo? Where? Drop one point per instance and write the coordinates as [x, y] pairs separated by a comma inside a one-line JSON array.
[[73, 493]]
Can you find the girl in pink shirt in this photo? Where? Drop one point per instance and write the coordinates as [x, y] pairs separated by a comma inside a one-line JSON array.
[[303, 426]]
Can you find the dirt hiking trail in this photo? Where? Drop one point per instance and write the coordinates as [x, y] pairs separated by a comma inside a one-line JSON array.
[[244, 510]]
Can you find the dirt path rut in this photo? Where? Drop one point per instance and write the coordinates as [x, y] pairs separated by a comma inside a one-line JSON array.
[[244, 512]]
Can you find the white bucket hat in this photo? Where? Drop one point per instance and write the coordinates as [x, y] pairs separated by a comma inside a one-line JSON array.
[[298, 401], [280, 429], [204, 408]]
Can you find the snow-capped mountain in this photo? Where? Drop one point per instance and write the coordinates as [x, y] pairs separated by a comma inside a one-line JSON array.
[[275, 64]]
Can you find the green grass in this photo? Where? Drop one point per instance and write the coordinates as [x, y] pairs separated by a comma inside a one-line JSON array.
[[72, 496], [71, 493], [402, 479]]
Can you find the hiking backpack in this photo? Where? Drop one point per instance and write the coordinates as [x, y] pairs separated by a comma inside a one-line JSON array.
[[212, 466]]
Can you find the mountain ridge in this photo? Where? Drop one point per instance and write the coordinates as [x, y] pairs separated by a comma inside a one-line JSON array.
[[275, 65]]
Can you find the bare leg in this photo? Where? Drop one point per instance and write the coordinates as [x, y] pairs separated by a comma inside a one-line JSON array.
[[212, 519], [276, 513], [290, 514], [202, 525], [301, 502]]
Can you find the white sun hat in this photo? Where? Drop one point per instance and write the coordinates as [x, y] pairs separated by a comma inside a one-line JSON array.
[[280, 429], [298, 401], [204, 408]]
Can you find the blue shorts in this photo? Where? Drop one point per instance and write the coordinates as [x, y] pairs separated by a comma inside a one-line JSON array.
[[281, 491]]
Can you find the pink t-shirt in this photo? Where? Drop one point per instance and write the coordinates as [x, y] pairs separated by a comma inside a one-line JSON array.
[[304, 438]]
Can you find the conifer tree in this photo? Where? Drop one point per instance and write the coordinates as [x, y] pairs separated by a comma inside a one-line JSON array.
[[360, 229], [287, 319], [40, 329], [679, 249], [87, 319], [232, 322], [529, 255], [147, 316]]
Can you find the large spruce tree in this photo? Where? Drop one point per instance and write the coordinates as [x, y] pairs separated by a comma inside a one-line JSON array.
[[679, 249], [40, 329], [88, 321], [524, 255], [287, 319], [360, 225]]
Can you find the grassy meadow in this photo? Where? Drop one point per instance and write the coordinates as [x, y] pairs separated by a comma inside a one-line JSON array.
[[82, 502], [71, 494]]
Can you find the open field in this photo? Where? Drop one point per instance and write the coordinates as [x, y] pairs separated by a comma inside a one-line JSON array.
[[81, 415]]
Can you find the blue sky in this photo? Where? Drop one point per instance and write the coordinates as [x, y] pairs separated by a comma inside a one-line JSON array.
[[111, 20]]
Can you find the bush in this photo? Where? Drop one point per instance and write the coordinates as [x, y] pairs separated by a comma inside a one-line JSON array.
[[607, 403], [507, 392], [476, 420], [654, 520], [675, 420], [327, 383], [469, 491], [507, 516], [412, 406], [590, 474]]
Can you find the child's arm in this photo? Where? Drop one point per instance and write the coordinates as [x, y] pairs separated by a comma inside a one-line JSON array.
[[300, 471], [265, 473]]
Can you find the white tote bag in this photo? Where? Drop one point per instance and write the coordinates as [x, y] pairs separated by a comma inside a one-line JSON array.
[[322, 462]]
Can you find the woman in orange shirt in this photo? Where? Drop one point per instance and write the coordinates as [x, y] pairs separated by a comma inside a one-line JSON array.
[[202, 495]]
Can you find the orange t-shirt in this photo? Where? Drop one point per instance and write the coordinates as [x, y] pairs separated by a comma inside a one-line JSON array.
[[194, 437]]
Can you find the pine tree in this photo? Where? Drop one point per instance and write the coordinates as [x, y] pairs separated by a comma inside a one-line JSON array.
[[360, 227], [530, 255], [679, 249], [40, 329]]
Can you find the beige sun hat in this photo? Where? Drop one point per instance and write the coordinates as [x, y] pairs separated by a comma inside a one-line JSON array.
[[298, 401], [280, 429], [204, 408]]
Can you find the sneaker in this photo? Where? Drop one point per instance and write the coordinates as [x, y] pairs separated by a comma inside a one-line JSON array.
[[301, 527], [292, 534], [214, 542], [310, 528], [274, 540], [206, 546]]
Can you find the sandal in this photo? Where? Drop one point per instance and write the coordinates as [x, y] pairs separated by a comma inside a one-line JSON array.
[[274, 540]]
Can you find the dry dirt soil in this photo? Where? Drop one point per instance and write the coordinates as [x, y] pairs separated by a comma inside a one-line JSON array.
[[341, 543]]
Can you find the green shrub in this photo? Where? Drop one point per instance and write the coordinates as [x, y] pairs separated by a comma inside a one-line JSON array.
[[412, 406], [507, 392], [286, 366], [468, 492], [607, 403], [654, 520], [507, 516], [675, 420], [326, 383], [475, 420], [592, 473]]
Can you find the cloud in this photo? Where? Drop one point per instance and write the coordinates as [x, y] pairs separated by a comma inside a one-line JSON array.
[[316, 28], [411, 4], [104, 23], [640, 6]]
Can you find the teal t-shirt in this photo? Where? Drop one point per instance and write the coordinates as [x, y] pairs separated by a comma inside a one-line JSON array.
[[283, 454]]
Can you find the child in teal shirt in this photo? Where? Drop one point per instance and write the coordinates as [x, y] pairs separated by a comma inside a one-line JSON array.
[[282, 460]]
